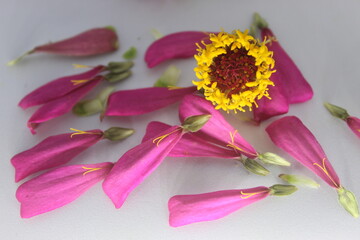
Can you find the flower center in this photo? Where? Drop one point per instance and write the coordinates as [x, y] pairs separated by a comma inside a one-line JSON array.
[[233, 70]]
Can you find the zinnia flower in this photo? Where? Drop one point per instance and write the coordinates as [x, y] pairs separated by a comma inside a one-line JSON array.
[[60, 95], [139, 162], [60, 149], [58, 187], [92, 42], [187, 209], [291, 135], [339, 112]]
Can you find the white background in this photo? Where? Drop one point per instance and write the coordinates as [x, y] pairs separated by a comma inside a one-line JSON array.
[[321, 36]]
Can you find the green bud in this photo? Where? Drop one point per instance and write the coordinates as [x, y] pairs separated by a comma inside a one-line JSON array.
[[117, 133], [88, 107], [119, 67], [130, 53], [282, 190], [169, 78], [117, 77], [259, 22], [348, 200], [195, 123], [253, 166], [337, 111], [299, 180], [272, 158]]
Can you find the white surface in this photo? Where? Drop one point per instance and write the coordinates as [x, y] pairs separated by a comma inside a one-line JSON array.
[[321, 36]]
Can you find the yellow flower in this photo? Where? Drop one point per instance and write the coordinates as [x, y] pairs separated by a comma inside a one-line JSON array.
[[234, 70]]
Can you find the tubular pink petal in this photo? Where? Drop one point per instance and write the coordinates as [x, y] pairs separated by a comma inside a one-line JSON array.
[[92, 42], [58, 187], [61, 105], [58, 88], [354, 124], [190, 145], [297, 88], [217, 130], [138, 163], [144, 100], [52, 152], [277, 105], [291, 135], [187, 209], [175, 45]]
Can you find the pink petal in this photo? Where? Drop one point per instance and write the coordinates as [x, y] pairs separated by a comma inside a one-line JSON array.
[[61, 105], [190, 145], [58, 187], [217, 130], [92, 42], [52, 152], [291, 135], [297, 88], [175, 45], [58, 88], [277, 105], [187, 209], [354, 124], [144, 100], [138, 163]]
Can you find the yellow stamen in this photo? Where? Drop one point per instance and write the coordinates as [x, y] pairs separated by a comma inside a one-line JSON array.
[[232, 144], [323, 168], [358, 130], [89, 170], [248, 195], [77, 82], [81, 66], [79, 132], [159, 139]]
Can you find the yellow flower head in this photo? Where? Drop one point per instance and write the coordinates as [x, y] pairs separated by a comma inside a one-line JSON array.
[[234, 70]]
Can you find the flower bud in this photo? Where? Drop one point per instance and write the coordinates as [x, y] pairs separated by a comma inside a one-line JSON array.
[[282, 190], [348, 200], [299, 180], [253, 166], [195, 123], [272, 158], [337, 111], [117, 77], [119, 67], [117, 133]]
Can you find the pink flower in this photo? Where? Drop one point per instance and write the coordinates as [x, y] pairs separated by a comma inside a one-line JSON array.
[[144, 100], [339, 112], [187, 209], [53, 151], [58, 187], [139, 162], [290, 84], [92, 42], [291, 135], [176, 45]]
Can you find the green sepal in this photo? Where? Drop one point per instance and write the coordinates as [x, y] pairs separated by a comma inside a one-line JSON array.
[[282, 190], [348, 200], [253, 166], [117, 77], [169, 78], [272, 158], [130, 54], [259, 22], [337, 111], [299, 180], [87, 107], [119, 67], [195, 123], [117, 133]]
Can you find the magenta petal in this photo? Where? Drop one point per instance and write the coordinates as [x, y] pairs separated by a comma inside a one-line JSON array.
[[144, 100], [277, 105], [52, 152], [217, 130], [187, 209], [61, 105], [354, 124], [58, 187], [297, 88], [190, 145], [291, 135], [138, 163], [175, 45], [57, 88], [92, 42]]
